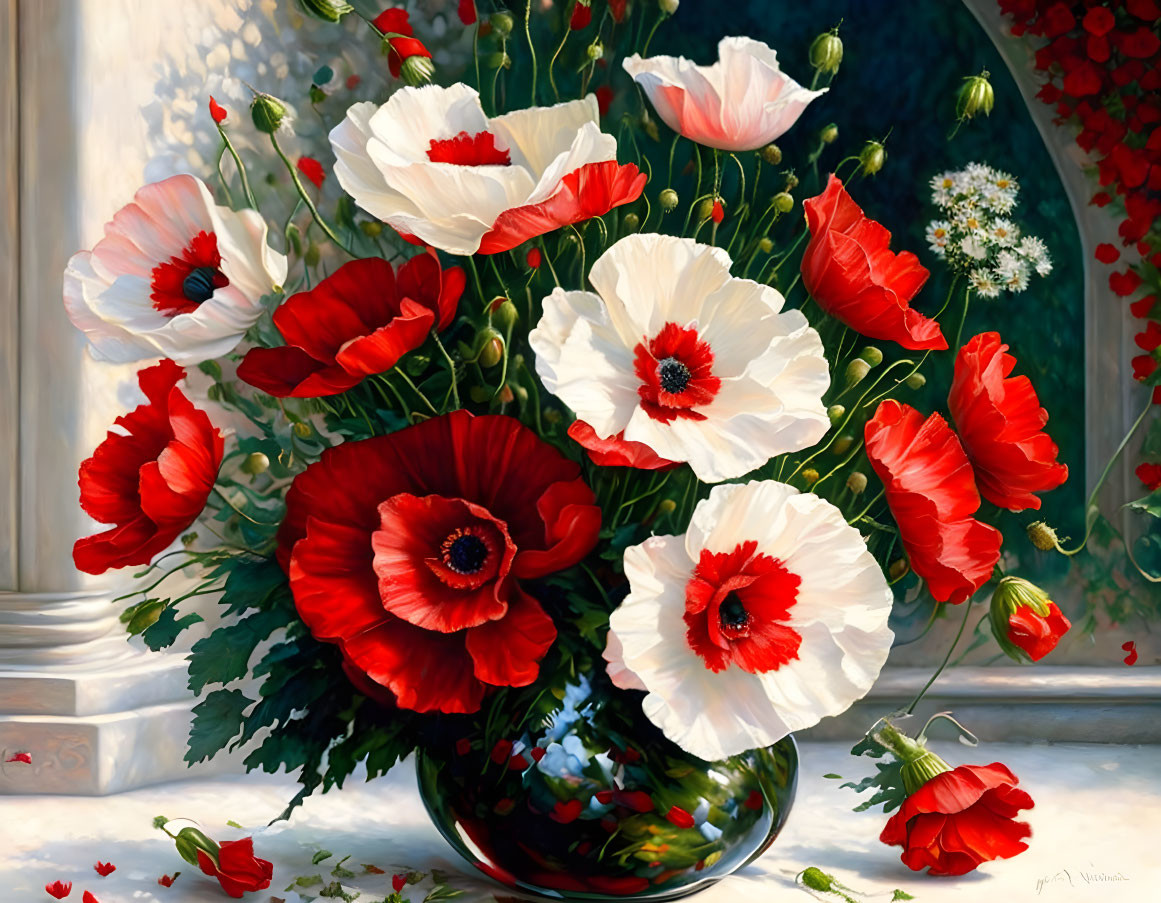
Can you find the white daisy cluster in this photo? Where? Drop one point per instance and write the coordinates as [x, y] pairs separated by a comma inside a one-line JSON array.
[[975, 235]]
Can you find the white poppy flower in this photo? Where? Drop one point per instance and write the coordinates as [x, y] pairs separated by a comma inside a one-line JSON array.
[[740, 103], [431, 165], [175, 276], [674, 353], [768, 615]]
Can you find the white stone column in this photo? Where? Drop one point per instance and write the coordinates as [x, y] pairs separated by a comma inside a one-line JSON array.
[[93, 713]]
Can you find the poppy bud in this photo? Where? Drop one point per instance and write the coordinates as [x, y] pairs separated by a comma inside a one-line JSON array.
[[479, 394], [417, 70], [217, 111], [872, 157], [915, 381], [705, 210], [669, 199], [817, 879], [255, 463], [857, 483], [595, 51], [791, 181], [856, 372], [829, 134], [502, 23], [669, 7], [327, 11], [499, 60], [898, 569], [666, 506], [582, 15], [371, 228], [632, 221], [190, 840], [505, 315], [772, 154], [872, 355], [810, 475], [1042, 536], [765, 245], [783, 202], [491, 347], [1027, 624], [301, 429], [835, 413], [267, 113], [826, 52], [294, 239], [843, 444], [553, 416], [975, 96]]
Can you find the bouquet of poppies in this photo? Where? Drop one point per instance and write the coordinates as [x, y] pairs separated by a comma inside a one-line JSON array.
[[591, 373]]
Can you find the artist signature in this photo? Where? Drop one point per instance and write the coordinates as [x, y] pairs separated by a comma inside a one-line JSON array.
[[1078, 878]]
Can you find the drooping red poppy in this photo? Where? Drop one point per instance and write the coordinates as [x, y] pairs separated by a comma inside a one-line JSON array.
[[616, 451], [960, 818], [1035, 634], [1000, 423], [237, 869], [852, 274], [409, 550], [395, 22], [932, 495], [355, 323], [152, 482]]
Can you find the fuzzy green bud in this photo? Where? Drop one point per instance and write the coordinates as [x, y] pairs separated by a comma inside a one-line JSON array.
[[772, 154], [255, 463], [479, 394], [857, 483], [595, 51], [499, 60], [669, 7], [267, 112], [1043, 536], [327, 11], [872, 157], [294, 239], [632, 222], [505, 314], [817, 879], [316, 94], [856, 372], [835, 413], [791, 181], [666, 506], [810, 475], [783, 202], [417, 70], [312, 255], [915, 381], [872, 355], [705, 209], [843, 444], [829, 135], [669, 199], [826, 52], [502, 24], [765, 245], [491, 347], [975, 96]]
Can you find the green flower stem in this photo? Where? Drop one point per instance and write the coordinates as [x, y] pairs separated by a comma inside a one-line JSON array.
[[225, 498], [652, 31], [451, 366], [241, 169], [306, 198], [222, 176], [531, 47], [871, 504], [414, 388], [552, 62], [967, 606]]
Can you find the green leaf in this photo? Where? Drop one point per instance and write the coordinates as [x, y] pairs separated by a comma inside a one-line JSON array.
[[144, 615], [320, 856], [217, 719], [442, 892], [163, 631], [307, 881], [224, 655], [253, 583], [233, 824], [833, 777], [1150, 504], [901, 895]]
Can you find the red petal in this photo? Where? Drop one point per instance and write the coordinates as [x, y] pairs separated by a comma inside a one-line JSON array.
[[508, 652], [616, 451]]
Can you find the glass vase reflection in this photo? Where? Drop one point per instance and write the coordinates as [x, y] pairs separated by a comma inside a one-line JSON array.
[[593, 803]]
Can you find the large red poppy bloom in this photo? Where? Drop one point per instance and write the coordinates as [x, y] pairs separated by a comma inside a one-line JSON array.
[[237, 869], [1035, 634], [932, 495], [152, 481], [1000, 421], [408, 551], [849, 270], [355, 323], [959, 819]]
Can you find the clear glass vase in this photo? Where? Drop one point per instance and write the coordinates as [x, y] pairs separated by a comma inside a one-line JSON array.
[[589, 801]]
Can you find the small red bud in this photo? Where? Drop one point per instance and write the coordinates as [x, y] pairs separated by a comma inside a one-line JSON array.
[[217, 111]]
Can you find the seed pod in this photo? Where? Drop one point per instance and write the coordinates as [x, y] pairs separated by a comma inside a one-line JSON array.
[[267, 113], [915, 381], [669, 199], [857, 483], [872, 355], [872, 157], [826, 52], [772, 154], [783, 202], [975, 96], [835, 414]]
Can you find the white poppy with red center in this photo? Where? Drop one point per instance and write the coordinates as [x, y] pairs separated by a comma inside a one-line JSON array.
[[740, 103], [175, 276], [676, 355], [768, 615], [431, 165]]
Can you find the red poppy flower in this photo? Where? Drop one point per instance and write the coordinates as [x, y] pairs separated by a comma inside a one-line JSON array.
[[616, 451], [59, 889], [237, 869], [1000, 423], [1131, 648], [850, 271], [398, 882], [1107, 253], [582, 15], [104, 868], [932, 495], [312, 169], [396, 21], [167, 880], [355, 323], [1035, 634], [467, 14], [1150, 475], [960, 818], [217, 111], [152, 482], [408, 551], [1124, 284]]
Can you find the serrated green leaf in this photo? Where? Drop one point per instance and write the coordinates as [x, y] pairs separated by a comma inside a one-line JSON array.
[[217, 720], [224, 655], [901, 895], [165, 629]]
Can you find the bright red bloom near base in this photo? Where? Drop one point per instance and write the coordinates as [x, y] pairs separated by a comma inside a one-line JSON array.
[[1000, 423], [592, 190], [408, 552], [238, 870], [736, 604], [959, 819], [616, 451], [1034, 634], [59, 889], [932, 495], [355, 323], [152, 482], [850, 271]]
